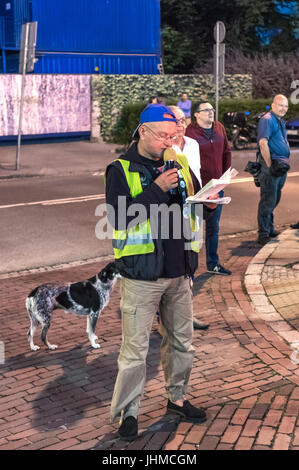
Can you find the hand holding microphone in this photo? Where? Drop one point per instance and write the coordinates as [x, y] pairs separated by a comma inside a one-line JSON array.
[[168, 180]]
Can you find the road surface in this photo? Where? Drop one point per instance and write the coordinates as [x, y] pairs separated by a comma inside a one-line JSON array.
[[51, 220]]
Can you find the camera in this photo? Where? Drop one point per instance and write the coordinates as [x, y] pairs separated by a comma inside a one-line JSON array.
[[254, 168]]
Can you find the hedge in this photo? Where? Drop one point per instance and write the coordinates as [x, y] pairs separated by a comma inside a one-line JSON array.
[[129, 117], [112, 92]]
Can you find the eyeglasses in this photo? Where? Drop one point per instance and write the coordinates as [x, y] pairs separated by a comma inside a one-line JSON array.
[[207, 110], [163, 137], [181, 121]]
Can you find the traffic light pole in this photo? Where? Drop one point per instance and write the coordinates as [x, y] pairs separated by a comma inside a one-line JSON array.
[[22, 95]]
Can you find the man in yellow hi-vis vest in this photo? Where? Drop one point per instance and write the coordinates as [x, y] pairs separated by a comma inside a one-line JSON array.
[[156, 254]]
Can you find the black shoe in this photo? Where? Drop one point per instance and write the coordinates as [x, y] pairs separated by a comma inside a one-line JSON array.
[[198, 325], [274, 234], [295, 225], [263, 240], [128, 430], [188, 411], [218, 269]]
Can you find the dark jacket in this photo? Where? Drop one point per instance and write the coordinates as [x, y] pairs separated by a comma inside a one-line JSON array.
[[215, 153], [169, 258]]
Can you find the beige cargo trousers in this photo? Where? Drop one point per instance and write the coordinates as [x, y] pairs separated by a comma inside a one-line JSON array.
[[140, 300]]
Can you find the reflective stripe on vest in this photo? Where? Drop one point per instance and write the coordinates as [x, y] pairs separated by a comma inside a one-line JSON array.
[[137, 240]]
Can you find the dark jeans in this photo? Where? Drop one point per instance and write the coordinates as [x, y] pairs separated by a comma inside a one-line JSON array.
[[212, 230], [270, 195]]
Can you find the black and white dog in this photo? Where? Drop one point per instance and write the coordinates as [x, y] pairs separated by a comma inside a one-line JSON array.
[[82, 298]]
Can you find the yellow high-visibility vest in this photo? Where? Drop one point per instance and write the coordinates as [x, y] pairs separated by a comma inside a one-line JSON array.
[[138, 239]]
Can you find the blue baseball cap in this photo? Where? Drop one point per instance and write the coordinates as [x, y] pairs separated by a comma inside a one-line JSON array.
[[155, 113]]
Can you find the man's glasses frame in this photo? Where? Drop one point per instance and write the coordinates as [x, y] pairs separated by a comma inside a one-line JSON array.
[[165, 138], [182, 121], [206, 110]]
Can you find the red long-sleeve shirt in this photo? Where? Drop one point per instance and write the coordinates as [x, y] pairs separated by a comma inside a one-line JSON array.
[[215, 153]]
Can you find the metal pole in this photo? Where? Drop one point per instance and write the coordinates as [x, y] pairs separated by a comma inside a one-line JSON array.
[[22, 96], [217, 70]]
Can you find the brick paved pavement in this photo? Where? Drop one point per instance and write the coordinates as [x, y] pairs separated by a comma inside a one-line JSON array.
[[243, 373]]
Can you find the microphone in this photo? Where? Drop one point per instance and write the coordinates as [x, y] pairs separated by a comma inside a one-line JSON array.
[[169, 157]]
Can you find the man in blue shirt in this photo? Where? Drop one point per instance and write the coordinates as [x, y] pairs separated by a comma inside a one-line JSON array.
[[185, 106], [273, 145]]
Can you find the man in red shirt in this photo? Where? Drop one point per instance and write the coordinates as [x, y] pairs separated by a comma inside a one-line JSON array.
[[215, 159]]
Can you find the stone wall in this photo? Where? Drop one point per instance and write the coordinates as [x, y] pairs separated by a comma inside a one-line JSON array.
[[56, 103], [114, 91], [53, 104]]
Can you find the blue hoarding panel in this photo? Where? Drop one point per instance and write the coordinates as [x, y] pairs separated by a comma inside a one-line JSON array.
[[95, 26], [7, 12], [15, 13], [102, 64], [75, 36]]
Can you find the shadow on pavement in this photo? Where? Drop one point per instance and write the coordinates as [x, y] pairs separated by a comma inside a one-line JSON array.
[[246, 248], [199, 282], [75, 381], [152, 438]]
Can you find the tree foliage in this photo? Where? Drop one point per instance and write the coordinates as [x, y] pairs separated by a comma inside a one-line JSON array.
[[187, 29], [271, 74]]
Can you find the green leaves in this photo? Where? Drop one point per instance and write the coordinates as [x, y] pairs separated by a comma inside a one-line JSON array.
[[187, 29]]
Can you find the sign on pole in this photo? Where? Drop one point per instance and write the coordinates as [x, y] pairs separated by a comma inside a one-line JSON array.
[[31, 47], [26, 64], [218, 59], [219, 29], [27, 47], [23, 47]]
